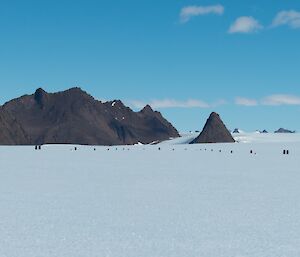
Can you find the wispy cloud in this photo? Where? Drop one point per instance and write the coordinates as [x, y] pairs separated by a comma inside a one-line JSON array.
[[245, 24], [169, 103], [290, 18], [271, 100], [189, 12], [246, 101], [218, 103], [281, 100]]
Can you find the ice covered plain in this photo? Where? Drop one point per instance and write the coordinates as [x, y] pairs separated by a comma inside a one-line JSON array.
[[138, 201]]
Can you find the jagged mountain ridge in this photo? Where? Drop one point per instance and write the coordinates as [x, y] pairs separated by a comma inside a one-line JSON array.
[[75, 117]]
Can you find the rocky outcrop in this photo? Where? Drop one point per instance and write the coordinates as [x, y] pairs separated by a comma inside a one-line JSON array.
[[11, 132], [236, 131], [282, 130], [75, 117], [214, 131]]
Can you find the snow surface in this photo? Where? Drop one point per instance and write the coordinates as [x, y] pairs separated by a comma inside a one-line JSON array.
[[244, 137], [266, 137], [185, 138], [139, 201]]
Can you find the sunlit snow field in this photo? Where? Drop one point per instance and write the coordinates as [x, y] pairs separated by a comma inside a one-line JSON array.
[[139, 201]]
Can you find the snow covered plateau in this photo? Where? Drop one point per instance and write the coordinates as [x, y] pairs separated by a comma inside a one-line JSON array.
[[166, 200]]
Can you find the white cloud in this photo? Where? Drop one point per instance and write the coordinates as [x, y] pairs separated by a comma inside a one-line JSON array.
[[191, 11], [290, 18], [136, 104], [170, 103], [281, 100], [271, 100], [245, 24], [245, 101], [218, 103]]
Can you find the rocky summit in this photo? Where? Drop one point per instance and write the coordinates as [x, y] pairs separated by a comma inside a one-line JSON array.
[[75, 117], [214, 131], [282, 130]]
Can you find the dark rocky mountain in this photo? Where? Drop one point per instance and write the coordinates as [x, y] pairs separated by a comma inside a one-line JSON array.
[[282, 130], [236, 130], [264, 131], [75, 117], [214, 131], [11, 132]]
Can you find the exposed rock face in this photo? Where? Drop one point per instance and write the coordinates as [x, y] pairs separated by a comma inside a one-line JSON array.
[[282, 130], [236, 131], [214, 131], [74, 117], [11, 132]]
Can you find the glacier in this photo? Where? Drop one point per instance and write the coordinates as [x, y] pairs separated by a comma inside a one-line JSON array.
[[171, 199]]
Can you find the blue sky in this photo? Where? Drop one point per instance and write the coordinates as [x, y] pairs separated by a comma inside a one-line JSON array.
[[186, 58]]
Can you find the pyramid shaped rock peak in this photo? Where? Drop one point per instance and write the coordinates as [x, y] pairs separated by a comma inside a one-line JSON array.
[[214, 131]]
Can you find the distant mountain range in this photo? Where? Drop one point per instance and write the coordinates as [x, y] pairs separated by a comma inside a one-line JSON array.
[[281, 130], [75, 117]]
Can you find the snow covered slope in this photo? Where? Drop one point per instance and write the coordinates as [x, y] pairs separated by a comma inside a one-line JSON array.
[[180, 201], [244, 137]]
